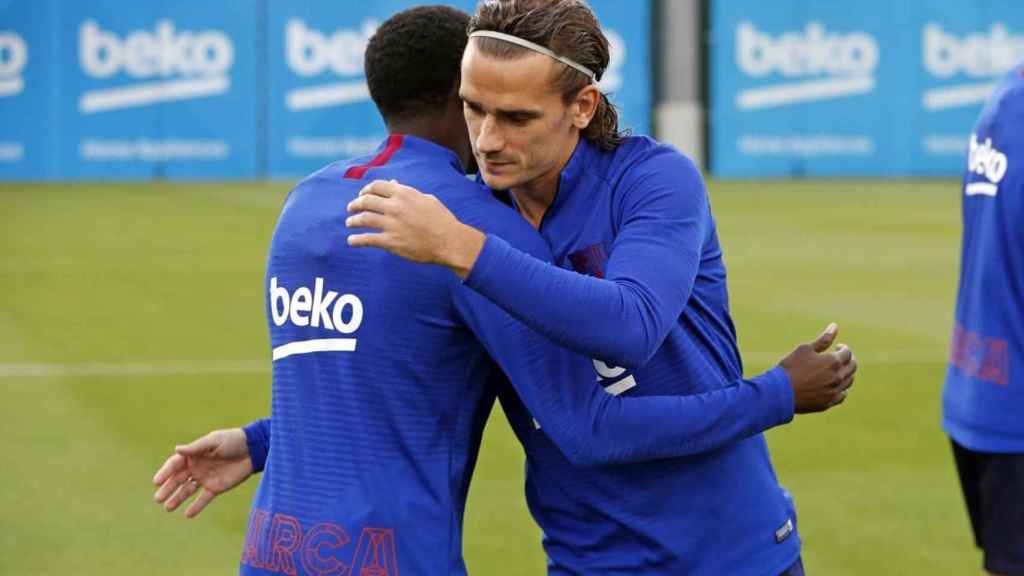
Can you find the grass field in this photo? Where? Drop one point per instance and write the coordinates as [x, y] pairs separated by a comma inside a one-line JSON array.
[[132, 319]]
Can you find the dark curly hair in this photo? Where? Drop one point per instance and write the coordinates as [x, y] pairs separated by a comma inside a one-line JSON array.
[[413, 61], [566, 27]]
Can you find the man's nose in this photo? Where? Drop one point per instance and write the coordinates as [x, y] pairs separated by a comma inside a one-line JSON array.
[[490, 138]]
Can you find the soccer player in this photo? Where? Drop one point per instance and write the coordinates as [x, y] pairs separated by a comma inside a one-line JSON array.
[[380, 370], [639, 286], [983, 401]]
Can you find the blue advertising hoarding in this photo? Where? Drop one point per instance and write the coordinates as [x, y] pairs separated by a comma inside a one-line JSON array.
[[320, 109], [158, 89], [187, 89], [628, 80], [874, 88], [964, 49], [27, 90]]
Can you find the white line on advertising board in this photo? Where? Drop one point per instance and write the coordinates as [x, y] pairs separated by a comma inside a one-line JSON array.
[[11, 86], [12, 151], [151, 93], [328, 95], [792, 93], [957, 96]]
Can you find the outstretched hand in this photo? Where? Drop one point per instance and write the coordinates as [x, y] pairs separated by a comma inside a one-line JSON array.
[[414, 226], [215, 463], [820, 379]]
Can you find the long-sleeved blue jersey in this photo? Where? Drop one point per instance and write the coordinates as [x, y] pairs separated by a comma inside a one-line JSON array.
[[380, 371], [643, 290], [983, 401]]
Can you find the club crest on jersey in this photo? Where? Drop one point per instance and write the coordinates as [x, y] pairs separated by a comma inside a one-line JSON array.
[[985, 161], [315, 308], [590, 260]]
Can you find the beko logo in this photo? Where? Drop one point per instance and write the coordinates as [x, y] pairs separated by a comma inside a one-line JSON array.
[[985, 160], [310, 53], [317, 309], [819, 64], [13, 58], [168, 64], [981, 57]]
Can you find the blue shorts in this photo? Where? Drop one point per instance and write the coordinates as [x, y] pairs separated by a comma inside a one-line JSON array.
[[993, 487]]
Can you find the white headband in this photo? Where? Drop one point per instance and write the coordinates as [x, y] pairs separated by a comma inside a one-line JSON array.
[[537, 48]]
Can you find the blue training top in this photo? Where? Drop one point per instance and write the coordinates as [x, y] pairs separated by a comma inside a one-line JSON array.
[[983, 401], [642, 289], [380, 388]]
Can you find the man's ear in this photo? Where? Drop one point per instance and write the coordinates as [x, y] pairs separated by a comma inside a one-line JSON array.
[[585, 106]]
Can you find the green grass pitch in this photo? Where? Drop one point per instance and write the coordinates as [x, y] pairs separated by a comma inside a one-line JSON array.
[[132, 319]]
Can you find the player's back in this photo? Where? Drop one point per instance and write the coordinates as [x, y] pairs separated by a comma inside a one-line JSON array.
[[984, 392], [378, 400]]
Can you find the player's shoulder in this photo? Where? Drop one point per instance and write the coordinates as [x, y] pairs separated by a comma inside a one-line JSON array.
[[645, 155], [646, 172], [1013, 86], [337, 171], [314, 203], [336, 178], [328, 180], [641, 162], [1006, 102], [1012, 100]]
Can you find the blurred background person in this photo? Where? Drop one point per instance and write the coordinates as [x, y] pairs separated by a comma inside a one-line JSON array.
[[983, 401]]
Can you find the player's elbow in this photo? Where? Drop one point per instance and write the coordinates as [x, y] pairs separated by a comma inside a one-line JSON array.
[[638, 332], [631, 349]]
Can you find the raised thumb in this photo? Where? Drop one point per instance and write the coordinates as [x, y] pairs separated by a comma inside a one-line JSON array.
[[825, 340]]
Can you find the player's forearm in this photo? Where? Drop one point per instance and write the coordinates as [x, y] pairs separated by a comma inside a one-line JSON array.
[[592, 427], [620, 321], [621, 430], [257, 437]]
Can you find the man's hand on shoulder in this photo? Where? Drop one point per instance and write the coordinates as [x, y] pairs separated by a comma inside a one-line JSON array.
[[217, 462], [820, 379], [414, 226]]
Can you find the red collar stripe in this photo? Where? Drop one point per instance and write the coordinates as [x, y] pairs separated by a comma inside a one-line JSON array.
[[394, 143]]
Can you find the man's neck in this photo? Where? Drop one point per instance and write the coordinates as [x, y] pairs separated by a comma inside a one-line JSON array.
[[419, 130], [426, 130], [535, 197]]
